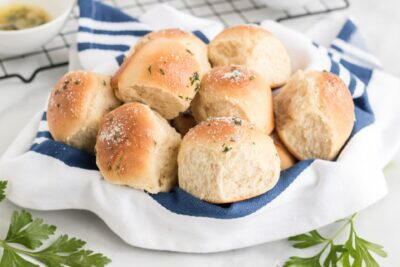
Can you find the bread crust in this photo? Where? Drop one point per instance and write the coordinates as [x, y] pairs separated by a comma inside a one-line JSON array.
[[138, 148], [76, 104], [238, 91], [286, 158], [161, 74], [252, 46], [192, 43], [224, 160], [314, 115]]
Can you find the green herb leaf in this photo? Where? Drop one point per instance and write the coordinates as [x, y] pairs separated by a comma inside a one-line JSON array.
[[3, 186], [29, 232], [333, 258], [363, 251], [307, 240], [349, 249], [25, 231], [378, 249], [237, 121], [194, 78], [67, 251], [226, 148], [12, 259], [355, 252], [303, 262]]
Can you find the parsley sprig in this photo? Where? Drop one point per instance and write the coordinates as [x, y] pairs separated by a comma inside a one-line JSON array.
[[355, 252], [31, 232]]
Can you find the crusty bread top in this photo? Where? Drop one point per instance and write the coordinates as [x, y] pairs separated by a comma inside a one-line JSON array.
[[334, 96], [235, 90], [244, 29], [255, 47], [336, 99], [223, 132], [193, 46], [324, 96], [69, 103], [161, 63], [175, 34], [125, 141], [234, 80]]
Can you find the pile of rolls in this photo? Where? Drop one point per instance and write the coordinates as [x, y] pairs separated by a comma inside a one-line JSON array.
[[220, 120]]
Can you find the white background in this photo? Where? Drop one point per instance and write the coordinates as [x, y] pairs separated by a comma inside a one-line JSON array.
[[380, 23]]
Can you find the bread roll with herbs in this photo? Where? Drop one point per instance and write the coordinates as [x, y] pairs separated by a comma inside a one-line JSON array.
[[225, 160], [184, 122], [192, 43], [314, 114], [236, 91], [255, 47], [138, 148], [161, 74], [287, 160], [77, 103]]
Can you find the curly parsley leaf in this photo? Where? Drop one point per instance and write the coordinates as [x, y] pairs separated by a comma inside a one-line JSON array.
[[66, 251], [3, 185], [12, 259], [303, 262], [355, 252], [307, 240], [28, 232], [335, 254], [31, 232]]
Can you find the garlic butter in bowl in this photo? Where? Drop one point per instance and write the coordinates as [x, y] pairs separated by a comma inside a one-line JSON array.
[[26, 25]]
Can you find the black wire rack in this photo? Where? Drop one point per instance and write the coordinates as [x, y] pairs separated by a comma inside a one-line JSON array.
[[55, 53]]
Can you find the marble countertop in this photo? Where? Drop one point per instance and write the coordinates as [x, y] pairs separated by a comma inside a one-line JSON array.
[[379, 223]]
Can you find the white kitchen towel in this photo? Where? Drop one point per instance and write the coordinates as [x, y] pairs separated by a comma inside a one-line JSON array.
[[48, 175]]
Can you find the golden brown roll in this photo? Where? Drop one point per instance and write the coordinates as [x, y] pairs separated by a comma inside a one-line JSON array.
[[314, 115], [162, 74], [236, 91], [252, 46], [287, 159], [77, 103], [184, 122], [138, 148], [224, 160], [192, 43]]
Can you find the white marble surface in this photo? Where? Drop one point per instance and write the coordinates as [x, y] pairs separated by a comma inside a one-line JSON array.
[[379, 223]]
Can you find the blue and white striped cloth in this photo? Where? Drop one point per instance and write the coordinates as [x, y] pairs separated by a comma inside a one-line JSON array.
[[45, 174]]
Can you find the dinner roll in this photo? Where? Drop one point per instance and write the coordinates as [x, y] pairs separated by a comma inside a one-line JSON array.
[[184, 122], [287, 159], [314, 114], [235, 91], [193, 44], [77, 103], [224, 160], [138, 148], [252, 46], [161, 74]]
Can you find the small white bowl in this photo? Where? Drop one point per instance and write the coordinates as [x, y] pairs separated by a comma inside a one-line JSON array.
[[24, 41]]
